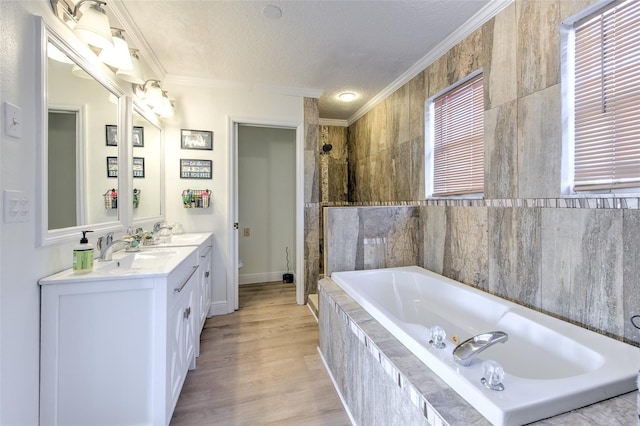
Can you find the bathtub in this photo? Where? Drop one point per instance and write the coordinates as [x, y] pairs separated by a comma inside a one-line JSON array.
[[551, 366]]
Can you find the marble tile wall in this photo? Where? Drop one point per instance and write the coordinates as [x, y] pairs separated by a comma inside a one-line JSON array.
[[371, 237], [311, 196], [575, 258]]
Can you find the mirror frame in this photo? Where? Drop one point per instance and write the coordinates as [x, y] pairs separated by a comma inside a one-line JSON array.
[[79, 54]]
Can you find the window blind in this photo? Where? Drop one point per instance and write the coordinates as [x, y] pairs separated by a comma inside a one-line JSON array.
[[458, 151], [607, 99]]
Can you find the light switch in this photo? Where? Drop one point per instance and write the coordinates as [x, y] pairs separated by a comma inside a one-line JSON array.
[[247, 232], [17, 206], [12, 120]]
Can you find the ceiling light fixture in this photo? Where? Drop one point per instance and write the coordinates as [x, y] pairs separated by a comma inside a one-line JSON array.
[[272, 11], [93, 25], [117, 56], [347, 96]]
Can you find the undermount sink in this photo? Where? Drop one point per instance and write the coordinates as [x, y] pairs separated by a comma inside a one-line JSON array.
[[190, 239], [135, 262]]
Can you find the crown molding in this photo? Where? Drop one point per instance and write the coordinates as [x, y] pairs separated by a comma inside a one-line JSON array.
[[227, 84], [132, 33], [333, 122], [475, 22]]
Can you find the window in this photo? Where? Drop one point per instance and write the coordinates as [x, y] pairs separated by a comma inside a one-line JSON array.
[[606, 137], [455, 165]]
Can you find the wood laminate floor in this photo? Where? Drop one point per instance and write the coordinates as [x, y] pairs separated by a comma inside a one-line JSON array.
[[260, 366]]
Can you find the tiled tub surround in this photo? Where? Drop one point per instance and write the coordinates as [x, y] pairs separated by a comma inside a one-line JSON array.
[[382, 382], [575, 263]]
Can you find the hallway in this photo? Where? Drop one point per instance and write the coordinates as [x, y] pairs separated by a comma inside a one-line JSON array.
[[260, 366]]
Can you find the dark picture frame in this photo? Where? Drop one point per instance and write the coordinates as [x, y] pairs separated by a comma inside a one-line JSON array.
[[196, 139], [138, 136], [112, 167], [111, 134], [195, 169], [138, 167]]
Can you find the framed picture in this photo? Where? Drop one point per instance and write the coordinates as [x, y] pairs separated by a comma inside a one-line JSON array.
[[111, 134], [112, 167], [138, 136], [138, 167], [196, 139], [195, 169]]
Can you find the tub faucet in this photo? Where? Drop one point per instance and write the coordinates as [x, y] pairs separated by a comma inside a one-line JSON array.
[[464, 353], [107, 246]]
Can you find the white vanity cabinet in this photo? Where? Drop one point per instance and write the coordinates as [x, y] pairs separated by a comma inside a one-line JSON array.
[[116, 344], [204, 243], [204, 296]]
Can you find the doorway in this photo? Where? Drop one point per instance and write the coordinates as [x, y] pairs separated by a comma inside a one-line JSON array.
[[266, 203], [271, 232]]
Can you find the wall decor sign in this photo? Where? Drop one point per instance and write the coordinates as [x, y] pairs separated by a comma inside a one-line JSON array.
[[196, 139], [138, 136], [195, 169], [138, 167], [112, 167], [111, 131]]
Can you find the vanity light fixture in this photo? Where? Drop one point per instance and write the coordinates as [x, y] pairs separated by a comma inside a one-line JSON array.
[[133, 75], [165, 108], [93, 25], [151, 93], [117, 56], [57, 55], [347, 96], [78, 71]]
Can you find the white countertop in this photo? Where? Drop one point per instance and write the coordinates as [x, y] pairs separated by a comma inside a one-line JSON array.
[[154, 261]]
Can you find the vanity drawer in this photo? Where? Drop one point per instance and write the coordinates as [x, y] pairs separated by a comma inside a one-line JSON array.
[[179, 280]]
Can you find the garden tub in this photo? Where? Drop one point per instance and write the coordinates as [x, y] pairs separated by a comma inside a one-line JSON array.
[[550, 366]]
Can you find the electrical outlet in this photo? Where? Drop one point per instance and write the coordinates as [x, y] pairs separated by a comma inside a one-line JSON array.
[[247, 232], [17, 206]]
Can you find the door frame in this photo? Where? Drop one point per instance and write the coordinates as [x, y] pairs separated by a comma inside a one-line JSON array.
[[232, 264]]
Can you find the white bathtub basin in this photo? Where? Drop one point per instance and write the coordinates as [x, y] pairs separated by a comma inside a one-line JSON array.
[[551, 366]]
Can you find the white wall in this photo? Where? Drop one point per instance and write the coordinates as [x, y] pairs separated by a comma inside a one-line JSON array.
[[22, 263], [266, 202], [210, 108]]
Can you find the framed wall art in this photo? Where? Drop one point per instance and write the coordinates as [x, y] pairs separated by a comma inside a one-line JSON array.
[[111, 133], [138, 167], [138, 136], [195, 169], [196, 139], [112, 167]]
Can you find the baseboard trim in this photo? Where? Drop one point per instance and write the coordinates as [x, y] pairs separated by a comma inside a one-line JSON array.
[[218, 308], [265, 277]]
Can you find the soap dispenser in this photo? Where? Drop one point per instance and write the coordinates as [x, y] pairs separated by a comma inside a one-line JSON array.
[[83, 256]]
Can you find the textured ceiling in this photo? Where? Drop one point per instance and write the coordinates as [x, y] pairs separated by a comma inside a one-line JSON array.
[[316, 48]]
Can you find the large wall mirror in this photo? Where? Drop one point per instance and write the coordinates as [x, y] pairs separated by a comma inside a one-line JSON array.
[[147, 167], [82, 111]]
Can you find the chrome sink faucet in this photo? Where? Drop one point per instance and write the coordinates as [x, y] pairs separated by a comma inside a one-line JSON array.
[[466, 351], [107, 245]]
